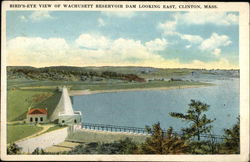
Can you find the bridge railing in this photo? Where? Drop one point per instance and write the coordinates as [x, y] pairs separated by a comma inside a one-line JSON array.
[[114, 128], [136, 130]]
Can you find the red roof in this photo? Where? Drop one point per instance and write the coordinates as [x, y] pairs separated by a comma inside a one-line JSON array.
[[35, 111]]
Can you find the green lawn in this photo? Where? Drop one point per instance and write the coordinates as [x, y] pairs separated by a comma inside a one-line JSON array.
[[16, 132]]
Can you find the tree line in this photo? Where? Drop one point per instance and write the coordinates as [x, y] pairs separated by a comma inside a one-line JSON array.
[[67, 74]]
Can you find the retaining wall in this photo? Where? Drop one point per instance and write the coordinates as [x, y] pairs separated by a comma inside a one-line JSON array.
[[44, 140]]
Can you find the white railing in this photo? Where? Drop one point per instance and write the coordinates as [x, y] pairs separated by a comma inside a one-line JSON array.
[[78, 112]]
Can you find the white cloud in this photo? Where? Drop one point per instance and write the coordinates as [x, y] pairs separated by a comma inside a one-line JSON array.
[[101, 22], [192, 38], [120, 52], [120, 14], [220, 64], [37, 43], [215, 41], [168, 27], [93, 41], [157, 44], [36, 16], [23, 18], [36, 51], [126, 44], [130, 50], [88, 49], [232, 19], [217, 52], [217, 18], [40, 15], [211, 44]]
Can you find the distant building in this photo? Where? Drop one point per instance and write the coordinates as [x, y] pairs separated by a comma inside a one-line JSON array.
[[64, 113], [36, 115]]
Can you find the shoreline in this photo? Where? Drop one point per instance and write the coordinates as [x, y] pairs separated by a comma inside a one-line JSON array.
[[89, 92]]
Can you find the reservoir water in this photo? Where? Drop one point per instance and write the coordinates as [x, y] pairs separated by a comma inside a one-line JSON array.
[[140, 108]]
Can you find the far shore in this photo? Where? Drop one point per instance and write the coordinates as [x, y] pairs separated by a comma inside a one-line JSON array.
[[89, 92]]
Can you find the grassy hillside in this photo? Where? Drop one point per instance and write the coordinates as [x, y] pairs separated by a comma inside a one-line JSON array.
[[19, 101], [16, 132]]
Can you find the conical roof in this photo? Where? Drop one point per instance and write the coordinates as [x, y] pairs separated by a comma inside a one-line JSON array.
[[64, 105]]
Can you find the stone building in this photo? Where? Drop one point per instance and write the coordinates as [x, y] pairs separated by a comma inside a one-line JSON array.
[[37, 115]]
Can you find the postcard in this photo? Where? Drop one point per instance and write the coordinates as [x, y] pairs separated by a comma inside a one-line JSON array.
[[125, 81]]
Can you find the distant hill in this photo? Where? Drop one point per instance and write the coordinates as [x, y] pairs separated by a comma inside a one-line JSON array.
[[68, 73], [127, 73]]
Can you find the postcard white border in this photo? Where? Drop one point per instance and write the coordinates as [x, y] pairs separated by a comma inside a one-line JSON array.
[[242, 8]]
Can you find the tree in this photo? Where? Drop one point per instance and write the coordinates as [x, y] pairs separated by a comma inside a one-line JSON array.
[[231, 143], [199, 121], [13, 149], [38, 151], [161, 143], [128, 146], [154, 144], [123, 146], [173, 144]]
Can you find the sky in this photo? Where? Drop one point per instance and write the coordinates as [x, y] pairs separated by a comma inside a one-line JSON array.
[[207, 40]]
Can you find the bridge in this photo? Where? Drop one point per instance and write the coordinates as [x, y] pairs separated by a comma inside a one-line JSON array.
[[143, 131]]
